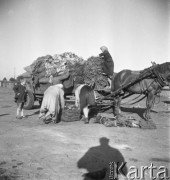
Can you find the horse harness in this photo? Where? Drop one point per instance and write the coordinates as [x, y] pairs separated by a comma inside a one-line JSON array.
[[159, 78]]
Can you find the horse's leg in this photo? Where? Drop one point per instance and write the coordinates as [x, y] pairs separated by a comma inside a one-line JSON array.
[[77, 97], [81, 115], [117, 107], [149, 103], [86, 113]]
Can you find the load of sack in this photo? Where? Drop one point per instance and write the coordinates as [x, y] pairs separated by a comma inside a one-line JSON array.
[[46, 68], [93, 73]]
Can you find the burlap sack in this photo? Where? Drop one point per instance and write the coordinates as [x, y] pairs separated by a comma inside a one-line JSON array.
[[70, 115]]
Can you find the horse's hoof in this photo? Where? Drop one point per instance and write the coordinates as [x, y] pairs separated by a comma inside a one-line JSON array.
[[147, 118], [86, 121]]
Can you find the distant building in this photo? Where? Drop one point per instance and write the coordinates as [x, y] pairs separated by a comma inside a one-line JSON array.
[[7, 84]]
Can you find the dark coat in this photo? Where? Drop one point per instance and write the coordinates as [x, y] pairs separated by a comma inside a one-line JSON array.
[[108, 65], [69, 82], [20, 93]]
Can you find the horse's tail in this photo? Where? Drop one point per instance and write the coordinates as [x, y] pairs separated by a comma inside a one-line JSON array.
[[86, 96]]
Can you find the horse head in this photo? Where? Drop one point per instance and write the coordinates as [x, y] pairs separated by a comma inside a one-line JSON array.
[[164, 71], [168, 73]]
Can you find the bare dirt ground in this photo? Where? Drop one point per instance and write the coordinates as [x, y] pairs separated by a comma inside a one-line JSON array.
[[32, 150]]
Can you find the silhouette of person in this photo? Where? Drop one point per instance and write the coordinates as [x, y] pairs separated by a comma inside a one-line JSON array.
[[102, 162]]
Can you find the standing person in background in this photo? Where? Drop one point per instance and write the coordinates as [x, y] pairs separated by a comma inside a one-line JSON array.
[[108, 65], [4, 82], [20, 96]]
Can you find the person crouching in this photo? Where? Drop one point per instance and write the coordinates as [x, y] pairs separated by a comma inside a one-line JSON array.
[[52, 104]]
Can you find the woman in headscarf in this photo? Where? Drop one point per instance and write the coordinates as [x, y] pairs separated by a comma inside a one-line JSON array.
[[108, 65], [52, 104]]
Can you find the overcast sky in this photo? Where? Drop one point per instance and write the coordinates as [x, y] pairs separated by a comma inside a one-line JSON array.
[[135, 31]]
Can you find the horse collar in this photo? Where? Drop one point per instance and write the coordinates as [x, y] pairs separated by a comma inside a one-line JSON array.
[[160, 79]]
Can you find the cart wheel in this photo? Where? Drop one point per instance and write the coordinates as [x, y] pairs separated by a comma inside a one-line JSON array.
[[30, 100]]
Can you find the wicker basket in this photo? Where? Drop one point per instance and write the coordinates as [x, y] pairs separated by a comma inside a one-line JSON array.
[[70, 114]]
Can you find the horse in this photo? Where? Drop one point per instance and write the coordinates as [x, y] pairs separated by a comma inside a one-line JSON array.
[[150, 86], [85, 96], [77, 95]]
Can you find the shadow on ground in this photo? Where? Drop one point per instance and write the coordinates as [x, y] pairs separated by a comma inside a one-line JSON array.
[[102, 161], [4, 114], [35, 113], [166, 102]]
